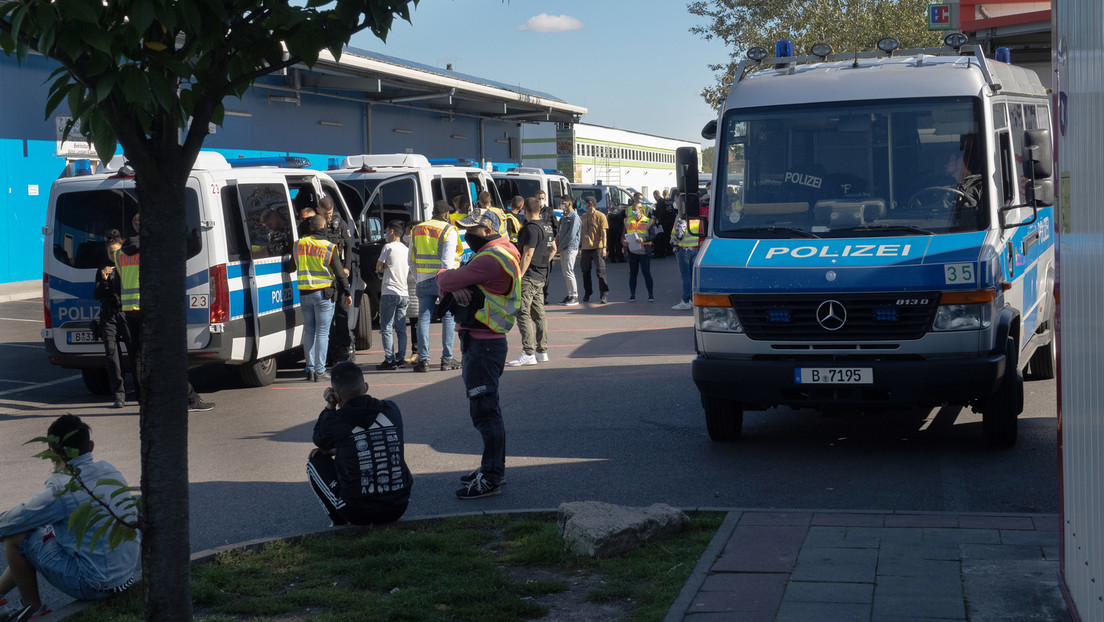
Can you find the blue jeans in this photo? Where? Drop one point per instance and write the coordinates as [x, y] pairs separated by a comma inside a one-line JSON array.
[[317, 315], [481, 367], [686, 270], [427, 299], [393, 320], [642, 263]]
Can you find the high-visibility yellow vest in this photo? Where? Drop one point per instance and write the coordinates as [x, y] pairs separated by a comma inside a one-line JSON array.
[[127, 265], [690, 239], [499, 311], [513, 227], [639, 226], [427, 239], [313, 261]]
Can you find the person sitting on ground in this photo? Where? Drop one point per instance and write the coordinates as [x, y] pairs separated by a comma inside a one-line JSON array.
[[358, 469], [38, 539]]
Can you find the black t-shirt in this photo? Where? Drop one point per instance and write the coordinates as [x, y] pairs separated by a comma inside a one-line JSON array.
[[537, 234]]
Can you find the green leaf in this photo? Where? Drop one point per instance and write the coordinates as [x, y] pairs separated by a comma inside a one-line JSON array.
[[99, 534], [78, 521], [105, 86], [98, 40], [79, 10], [141, 15], [103, 137]]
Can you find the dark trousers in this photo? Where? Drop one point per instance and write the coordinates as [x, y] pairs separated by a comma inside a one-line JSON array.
[[586, 258], [642, 263], [481, 367], [134, 326], [322, 473], [116, 331], [341, 337]]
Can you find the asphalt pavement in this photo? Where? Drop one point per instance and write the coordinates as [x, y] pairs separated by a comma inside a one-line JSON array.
[[834, 564]]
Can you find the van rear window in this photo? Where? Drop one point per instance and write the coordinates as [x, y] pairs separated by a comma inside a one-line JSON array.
[[82, 218]]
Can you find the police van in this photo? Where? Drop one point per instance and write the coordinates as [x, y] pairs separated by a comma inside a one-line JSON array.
[[880, 235], [242, 294], [526, 181], [380, 188]]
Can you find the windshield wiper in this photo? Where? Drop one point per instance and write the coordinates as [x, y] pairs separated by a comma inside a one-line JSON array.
[[773, 229], [909, 228]]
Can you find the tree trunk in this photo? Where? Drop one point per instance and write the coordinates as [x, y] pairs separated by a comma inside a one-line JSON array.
[[164, 381]]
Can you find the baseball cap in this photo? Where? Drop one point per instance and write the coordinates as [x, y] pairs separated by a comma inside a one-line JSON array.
[[481, 218]]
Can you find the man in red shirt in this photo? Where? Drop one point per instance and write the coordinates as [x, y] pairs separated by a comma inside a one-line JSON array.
[[486, 293]]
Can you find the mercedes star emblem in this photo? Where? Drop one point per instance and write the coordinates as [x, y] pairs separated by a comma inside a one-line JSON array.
[[831, 315]]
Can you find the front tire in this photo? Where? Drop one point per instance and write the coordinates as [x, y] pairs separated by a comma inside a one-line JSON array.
[[259, 373], [1000, 411], [362, 334], [95, 380], [724, 419], [1042, 364]]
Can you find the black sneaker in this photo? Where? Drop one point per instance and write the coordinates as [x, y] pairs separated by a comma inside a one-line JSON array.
[[22, 613], [387, 366], [586, 298], [467, 479], [449, 364], [605, 298], [477, 488], [119, 404], [421, 366], [310, 376], [199, 406]]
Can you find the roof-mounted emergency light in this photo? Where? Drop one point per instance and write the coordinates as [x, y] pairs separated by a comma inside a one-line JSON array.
[[82, 167], [278, 161], [888, 45], [823, 50], [757, 53], [955, 40], [333, 164], [783, 48], [1004, 55]]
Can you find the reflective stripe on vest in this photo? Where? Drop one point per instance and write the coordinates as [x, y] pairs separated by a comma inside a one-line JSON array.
[[313, 262], [501, 219], [127, 265], [639, 227], [500, 310], [513, 227], [690, 238], [427, 239]]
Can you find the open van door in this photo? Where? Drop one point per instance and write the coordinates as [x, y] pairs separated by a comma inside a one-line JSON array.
[[273, 318], [395, 198]]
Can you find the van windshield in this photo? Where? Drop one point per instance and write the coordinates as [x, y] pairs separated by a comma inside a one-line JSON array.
[[899, 167]]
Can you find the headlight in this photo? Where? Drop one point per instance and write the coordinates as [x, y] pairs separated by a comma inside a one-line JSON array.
[[962, 317], [718, 320]]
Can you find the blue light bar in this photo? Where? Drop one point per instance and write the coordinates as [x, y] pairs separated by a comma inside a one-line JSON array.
[[776, 316], [784, 47], [82, 167], [1004, 55], [278, 161], [886, 315], [333, 163]]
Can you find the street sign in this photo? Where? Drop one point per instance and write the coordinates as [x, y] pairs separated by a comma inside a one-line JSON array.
[[940, 17]]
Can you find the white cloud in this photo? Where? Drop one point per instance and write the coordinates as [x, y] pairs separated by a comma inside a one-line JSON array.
[[551, 23]]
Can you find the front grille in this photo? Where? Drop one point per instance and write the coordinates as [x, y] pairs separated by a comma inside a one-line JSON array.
[[869, 317]]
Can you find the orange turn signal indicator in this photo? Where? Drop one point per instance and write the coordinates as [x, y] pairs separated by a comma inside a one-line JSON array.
[[712, 300], [970, 297]]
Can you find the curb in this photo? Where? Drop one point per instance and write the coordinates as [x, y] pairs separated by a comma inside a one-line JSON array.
[[697, 577]]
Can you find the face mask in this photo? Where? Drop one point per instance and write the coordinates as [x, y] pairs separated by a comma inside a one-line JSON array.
[[475, 242]]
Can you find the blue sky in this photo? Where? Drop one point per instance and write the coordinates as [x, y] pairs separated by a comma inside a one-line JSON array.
[[633, 64]]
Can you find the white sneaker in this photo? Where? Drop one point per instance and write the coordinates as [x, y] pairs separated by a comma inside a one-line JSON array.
[[524, 359], [683, 305], [542, 357]]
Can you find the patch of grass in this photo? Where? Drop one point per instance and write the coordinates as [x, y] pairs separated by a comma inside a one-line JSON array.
[[461, 568]]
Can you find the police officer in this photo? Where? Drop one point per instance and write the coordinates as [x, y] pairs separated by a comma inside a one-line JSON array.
[[127, 261], [433, 246], [321, 279], [337, 231], [111, 323]]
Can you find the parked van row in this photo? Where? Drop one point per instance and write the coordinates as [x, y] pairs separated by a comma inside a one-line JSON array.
[[242, 295]]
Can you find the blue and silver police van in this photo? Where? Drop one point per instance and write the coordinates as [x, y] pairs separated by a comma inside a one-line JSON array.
[[242, 295], [880, 236]]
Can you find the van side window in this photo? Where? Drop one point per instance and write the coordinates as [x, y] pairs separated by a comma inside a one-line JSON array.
[[395, 200], [267, 219], [454, 188], [82, 218], [231, 215]]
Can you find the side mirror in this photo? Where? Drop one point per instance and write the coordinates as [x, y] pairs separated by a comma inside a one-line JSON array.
[[1040, 192], [1038, 155], [686, 169], [709, 132]]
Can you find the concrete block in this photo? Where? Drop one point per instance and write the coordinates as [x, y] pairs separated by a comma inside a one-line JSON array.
[[603, 530]]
